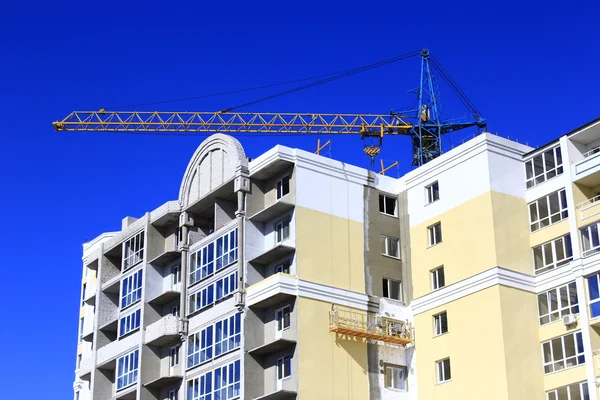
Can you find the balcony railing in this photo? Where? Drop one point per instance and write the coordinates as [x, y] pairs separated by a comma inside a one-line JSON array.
[[589, 208], [593, 151], [361, 324]]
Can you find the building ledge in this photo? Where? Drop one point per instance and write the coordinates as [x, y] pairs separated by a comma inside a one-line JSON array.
[[273, 290], [278, 394], [129, 393], [166, 214], [271, 347], [163, 381], [165, 258], [165, 297], [163, 332], [279, 251], [272, 211]]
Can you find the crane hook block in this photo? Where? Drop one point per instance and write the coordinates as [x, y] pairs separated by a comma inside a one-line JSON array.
[[372, 151]]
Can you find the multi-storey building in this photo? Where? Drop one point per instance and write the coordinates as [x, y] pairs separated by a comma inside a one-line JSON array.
[[475, 276]]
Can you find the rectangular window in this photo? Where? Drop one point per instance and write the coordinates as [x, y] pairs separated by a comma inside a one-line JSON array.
[[131, 289], [387, 205], [434, 233], [543, 167], [172, 395], [590, 240], [283, 187], [438, 278], [553, 254], [200, 347], [282, 230], [129, 323], [443, 371], [213, 257], [594, 293], [228, 334], [175, 275], [81, 325], [174, 356], [201, 299], [226, 250], [283, 267], [576, 391], [390, 246], [395, 377], [127, 370], [227, 381], [432, 192], [548, 210], [392, 289], [558, 302], [133, 251], [175, 310], [200, 388], [284, 367], [83, 295], [225, 286], [282, 318], [440, 323], [563, 352]]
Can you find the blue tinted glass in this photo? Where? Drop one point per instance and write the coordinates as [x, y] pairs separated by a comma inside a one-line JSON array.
[[593, 287], [211, 252], [579, 340], [595, 309]]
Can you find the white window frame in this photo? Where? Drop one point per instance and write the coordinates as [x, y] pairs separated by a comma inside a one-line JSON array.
[[133, 251], [387, 244], [536, 221], [231, 386], [387, 286], [548, 254], [131, 321], [438, 325], [203, 298], [281, 369], [200, 347], [436, 282], [389, 377], [593, 239], [174, 356], [230, 336], [383, 206], [280, 318], [441, 373], [531, 179], [226, 250], [556, 305], [282, 266], [432, 236], [280, 229], [432, 192], [172, 394], [127, 370], [213, 257], [550, 366], [281, 185], [583, 391], [175, 275], [228, 286], [593, 301], [200, 383], [131, 289]]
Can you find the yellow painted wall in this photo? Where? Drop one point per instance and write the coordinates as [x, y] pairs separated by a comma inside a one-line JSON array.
[[511, 232], [557, 328], [330, 250], [330, 366], [565, 377], [548, 233]]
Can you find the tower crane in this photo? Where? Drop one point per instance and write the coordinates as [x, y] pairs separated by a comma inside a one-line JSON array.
[[424, 124]]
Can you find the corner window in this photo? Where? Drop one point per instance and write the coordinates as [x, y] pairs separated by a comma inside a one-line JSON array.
[[127, 370], [563, 352], [283, 187], [432, 192], [133, 251], [434, 234], [282, 318], [557, 302], [438, 278], [392, 289], [440, 324], [553, 254], [594, 293], [284, 367], [544, 166], [443, 371], [390, 246], [395, 377], [388, 205], [576, 391], [548, 210], [282, 230]]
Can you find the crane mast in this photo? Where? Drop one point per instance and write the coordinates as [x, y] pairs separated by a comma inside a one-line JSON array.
[[424, 125]]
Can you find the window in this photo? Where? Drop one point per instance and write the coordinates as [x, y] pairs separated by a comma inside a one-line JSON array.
[[133, 251], [131, 289], [76, 395], [225, 386], [558, 302], [594, 292], [127, 370], [563, 352], [576, 391], [81, 325], [543, 167], [283, 187], [434, 233], [432, 193], [284, 367], [395, 377], [390, 246], [202, 263], [387, 205], [282, 230], [226, 250], [392, 289], [174, 356], [548, 210], [200, 347], [438, 278], [129, 323], [79, 361], [175, 275], [440, 324], [83, 295], [282, 318], [283, 267], [590, 240], [201, 299], [228, 334], [226, 286], [172, 395], [443, 371], [175, 310], [213, 257], [552, 255]]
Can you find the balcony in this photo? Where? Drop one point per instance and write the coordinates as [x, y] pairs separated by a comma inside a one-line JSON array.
[[281, 394], [588, 211], [106, 355], [166, 376], [360, 324], [272, 211], [280, 250], [86, 365], [164, 331], [271, 291]]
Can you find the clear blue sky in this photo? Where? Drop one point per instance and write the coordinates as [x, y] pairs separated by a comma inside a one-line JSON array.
[[531, 67]]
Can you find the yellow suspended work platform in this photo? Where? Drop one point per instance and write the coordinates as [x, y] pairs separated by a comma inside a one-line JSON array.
[[360, 324]]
